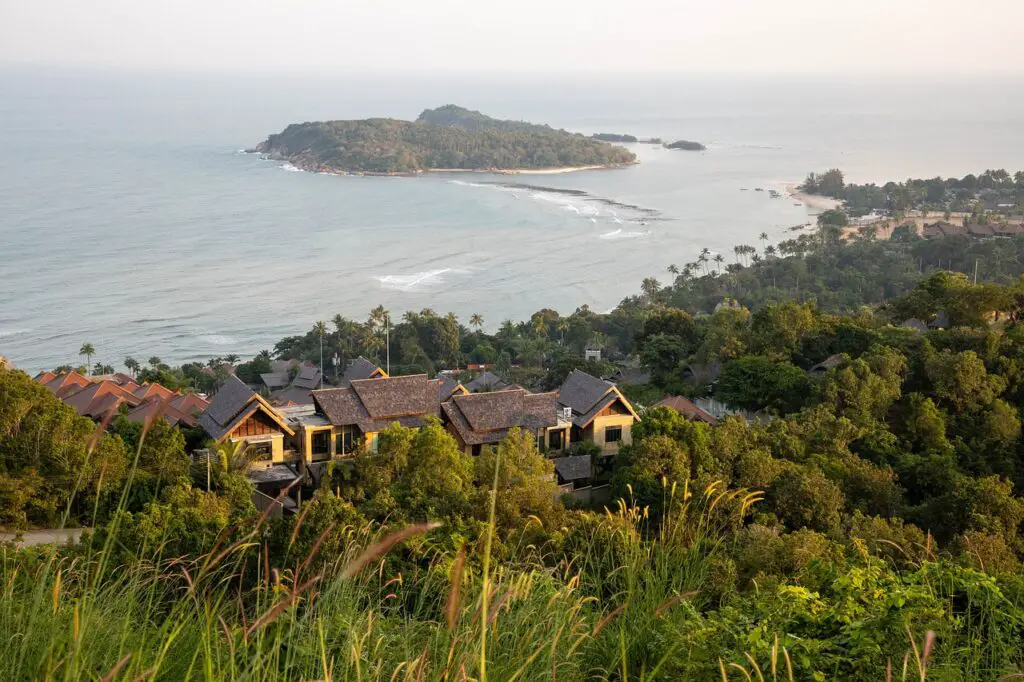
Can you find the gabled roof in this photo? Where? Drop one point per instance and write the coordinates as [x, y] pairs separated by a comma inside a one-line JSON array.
[[147, 391], [828, 363], [234, 403], [293, 395], [190, 403], [61, 383], [587, 395], [487, 417], [488, 381], [449, 387], [174, 416], [361, 368], [915, 324], [373, 404], [44, 377], [274, 380], [308, 378], [573, 468], [97, 399], [687, 408]]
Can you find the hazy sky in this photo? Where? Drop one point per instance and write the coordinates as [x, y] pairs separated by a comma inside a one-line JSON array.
[[520, 35]]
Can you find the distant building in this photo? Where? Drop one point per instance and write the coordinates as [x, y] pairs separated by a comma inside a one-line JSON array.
[[914, 324], [831, 362], [239, 414], [485, 383], [688, 409], [102, 396]]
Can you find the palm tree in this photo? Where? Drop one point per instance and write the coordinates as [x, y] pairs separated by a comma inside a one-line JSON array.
[[563, 327], [719, 258], [264, 355], [320, 329], [769, 250], [705, 254], [133, 365], [154, 362], [88, 350], [477, 320], [673, 270], [650, 287], [764, 239], [231, 359]]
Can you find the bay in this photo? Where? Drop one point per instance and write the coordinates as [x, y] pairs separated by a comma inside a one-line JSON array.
[[129, 219]]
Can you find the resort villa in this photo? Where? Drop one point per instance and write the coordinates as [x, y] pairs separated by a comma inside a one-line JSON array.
[[295, 441]]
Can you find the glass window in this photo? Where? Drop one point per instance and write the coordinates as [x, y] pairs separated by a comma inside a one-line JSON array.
[[613, 434], [321, 443], [555, 440], [346, 442], [261, 452]]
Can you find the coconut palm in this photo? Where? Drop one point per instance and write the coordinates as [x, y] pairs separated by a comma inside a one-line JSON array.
[[154, 362], [673, 270], [231, 358], [88, 350], [719, 259], [650, 287], [477, 321], [320, 329], [133, 365], [764, 239]]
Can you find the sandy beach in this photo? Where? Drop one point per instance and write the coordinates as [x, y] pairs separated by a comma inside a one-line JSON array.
[[813, 201]]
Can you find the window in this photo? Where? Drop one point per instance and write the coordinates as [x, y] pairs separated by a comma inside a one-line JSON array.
[[477, 449], [261, 452], [346, 442], [555, 440], [613, 434], [321, 443], [575, 434]]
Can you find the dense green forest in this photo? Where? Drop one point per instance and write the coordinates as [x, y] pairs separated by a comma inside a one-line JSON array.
[[449, 137], [986, 195], [867, 526], [613, 137]]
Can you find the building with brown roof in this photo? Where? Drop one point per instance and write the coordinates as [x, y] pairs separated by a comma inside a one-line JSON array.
[[687, 408], [481, 419], [599, 413], [354, 415], [239, 414]]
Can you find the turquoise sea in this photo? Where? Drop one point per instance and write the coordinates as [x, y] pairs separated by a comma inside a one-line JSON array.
[[129, 219]]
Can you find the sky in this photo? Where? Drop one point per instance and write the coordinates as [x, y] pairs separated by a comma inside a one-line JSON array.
[[592, 36]]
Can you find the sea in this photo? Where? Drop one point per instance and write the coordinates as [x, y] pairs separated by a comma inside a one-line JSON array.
[[130, 218]]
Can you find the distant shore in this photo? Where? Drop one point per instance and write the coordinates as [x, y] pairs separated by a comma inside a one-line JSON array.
[[492, 171], [812, 201]]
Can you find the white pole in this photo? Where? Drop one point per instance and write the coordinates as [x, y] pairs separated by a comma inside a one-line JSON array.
[[387, 340]]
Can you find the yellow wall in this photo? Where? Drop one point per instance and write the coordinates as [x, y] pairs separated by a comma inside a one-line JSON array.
[[595, 432], [276, 446]]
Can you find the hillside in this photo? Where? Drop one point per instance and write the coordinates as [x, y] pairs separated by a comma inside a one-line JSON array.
[[449, 137]]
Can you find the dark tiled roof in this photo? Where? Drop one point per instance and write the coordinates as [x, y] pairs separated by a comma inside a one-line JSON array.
[[278, 473], [232, 396], [373, 404], [941, 321], [581, 392], [360, 368], [488, 381], [308, 378], [828, 363], [703, 373], [686, 408], [274, 380], [915, 324], [487, 417], [292, 394], [234, 403], [573, 468], [449, 386]]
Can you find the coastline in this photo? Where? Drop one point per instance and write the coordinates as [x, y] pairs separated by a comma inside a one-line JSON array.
[[812, 201], [491, 171]]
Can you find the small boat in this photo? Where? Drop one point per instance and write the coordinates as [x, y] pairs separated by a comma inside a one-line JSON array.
[[758, 189]]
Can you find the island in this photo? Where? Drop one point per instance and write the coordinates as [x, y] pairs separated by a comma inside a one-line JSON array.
[[653, 140], [612, 137], [449, 138], [686, 145]]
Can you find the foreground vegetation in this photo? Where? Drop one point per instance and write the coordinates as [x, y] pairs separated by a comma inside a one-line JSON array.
[[449, 137], [868, 526]]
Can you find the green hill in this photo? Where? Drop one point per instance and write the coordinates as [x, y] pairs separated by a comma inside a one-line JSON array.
[[449, 137]]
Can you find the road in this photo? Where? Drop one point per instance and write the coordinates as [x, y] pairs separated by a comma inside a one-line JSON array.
[[44, 537]]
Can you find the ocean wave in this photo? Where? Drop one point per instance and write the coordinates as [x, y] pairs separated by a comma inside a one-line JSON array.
[[290, 168], [217, 339], [622, 234], [8, 333], [415, 281]]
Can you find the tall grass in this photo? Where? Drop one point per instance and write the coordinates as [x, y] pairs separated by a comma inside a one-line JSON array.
[[609, 605]]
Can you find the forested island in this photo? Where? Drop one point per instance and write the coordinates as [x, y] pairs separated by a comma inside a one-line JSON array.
[[447, 138], [612, 137], [686, 145]]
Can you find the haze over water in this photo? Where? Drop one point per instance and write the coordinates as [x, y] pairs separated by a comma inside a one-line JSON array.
[[128, 218]]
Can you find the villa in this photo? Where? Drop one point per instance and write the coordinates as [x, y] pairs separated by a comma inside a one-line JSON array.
[[598, 412], [481, 419]]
